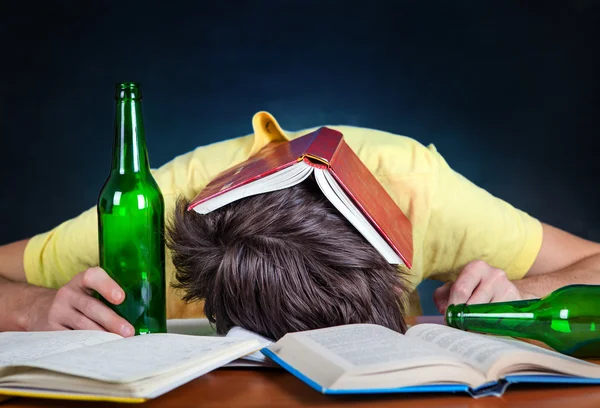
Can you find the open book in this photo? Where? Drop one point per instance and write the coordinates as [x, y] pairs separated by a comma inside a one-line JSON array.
[[94, 365], [365, 358], [202, 327], [252, 360], [340, 174]]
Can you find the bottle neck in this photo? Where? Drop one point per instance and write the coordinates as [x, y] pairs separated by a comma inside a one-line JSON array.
[[130, 154], [503, 318]]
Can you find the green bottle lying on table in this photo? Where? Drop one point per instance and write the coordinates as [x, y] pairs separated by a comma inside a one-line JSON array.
[[568, 319]]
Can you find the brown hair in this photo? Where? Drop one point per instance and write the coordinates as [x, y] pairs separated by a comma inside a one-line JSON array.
[[280, 262]]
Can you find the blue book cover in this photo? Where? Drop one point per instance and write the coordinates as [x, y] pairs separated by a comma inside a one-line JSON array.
[[495, 388], [306, 348]]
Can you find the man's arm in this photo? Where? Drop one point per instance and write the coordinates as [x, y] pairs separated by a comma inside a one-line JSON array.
[[29, 307], [19, 302], [16, 296], [564, 259], [11, 261]]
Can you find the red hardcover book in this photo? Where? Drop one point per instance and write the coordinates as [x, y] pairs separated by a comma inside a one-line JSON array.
[[339, 172]]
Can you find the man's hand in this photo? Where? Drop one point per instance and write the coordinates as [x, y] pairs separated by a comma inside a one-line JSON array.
[[478, 282], [73, 306]]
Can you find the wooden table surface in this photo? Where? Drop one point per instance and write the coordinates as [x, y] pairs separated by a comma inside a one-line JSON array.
[[229, 387], [237, 387]]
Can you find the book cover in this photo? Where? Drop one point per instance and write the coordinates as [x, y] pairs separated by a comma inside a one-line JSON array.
[[324, 147], [491, 389]]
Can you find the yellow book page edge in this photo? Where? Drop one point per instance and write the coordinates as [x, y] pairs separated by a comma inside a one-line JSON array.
[[7, 394]]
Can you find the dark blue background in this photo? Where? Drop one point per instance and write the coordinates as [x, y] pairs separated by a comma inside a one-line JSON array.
[[508, 91]]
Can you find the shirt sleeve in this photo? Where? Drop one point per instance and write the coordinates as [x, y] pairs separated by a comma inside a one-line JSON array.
[[468, 223], [54, 257], [51, 259]]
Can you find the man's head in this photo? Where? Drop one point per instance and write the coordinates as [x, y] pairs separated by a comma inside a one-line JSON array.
[[280, 262]]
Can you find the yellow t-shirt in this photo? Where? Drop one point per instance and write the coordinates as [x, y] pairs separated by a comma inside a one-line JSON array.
[[453, 220]]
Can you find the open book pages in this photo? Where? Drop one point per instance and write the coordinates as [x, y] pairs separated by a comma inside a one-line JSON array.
[[202, 327], [334, 193], [366, 357], [295, 174], [279, 180], [256, 359], [86, 362]]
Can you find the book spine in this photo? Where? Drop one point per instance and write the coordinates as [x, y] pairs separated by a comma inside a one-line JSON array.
[[324, 145], [313, 163]]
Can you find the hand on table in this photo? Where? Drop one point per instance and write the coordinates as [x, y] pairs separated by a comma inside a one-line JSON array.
[[478, 282], [74, 306]]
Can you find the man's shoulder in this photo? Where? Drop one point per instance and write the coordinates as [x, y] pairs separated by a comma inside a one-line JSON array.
[[380, 150], [388, 152], [359, 138]]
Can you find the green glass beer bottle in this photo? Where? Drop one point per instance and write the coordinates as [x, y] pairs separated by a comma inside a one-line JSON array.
[[131, 220], [568, 319]]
